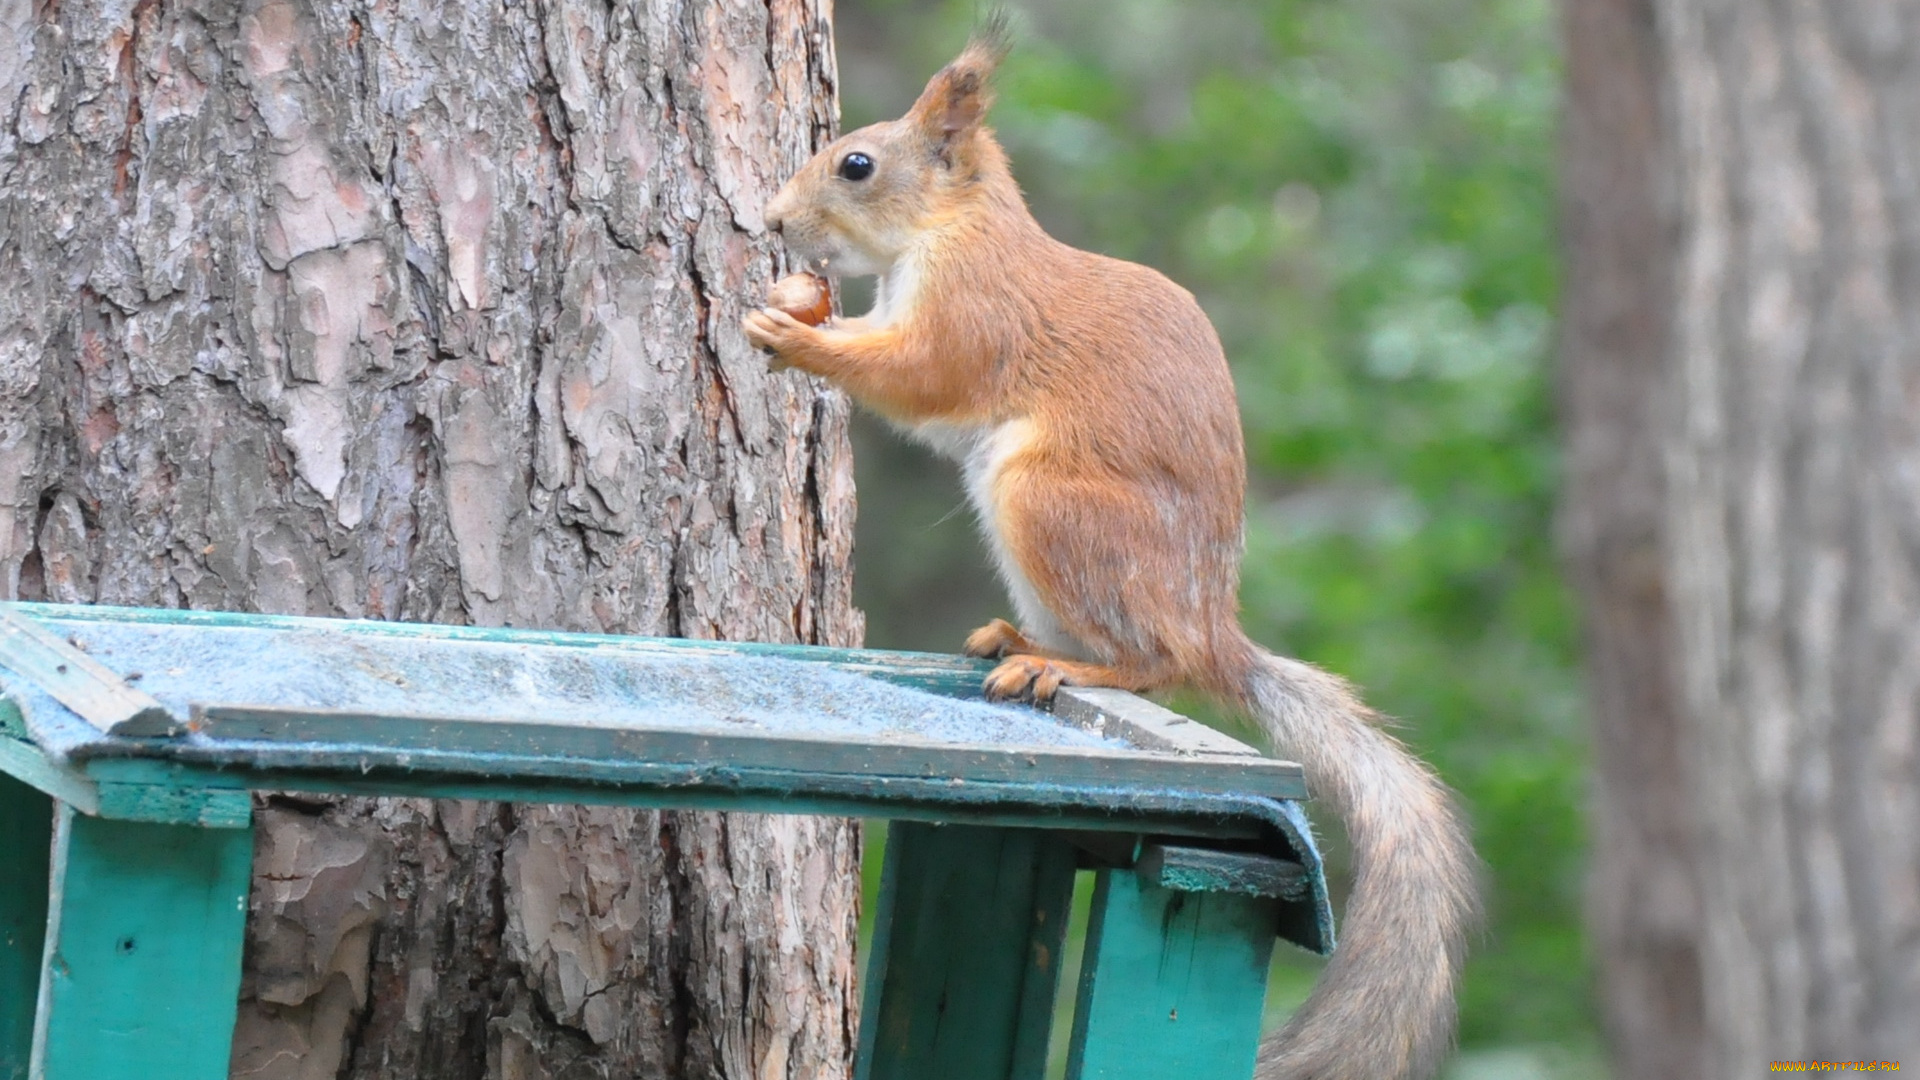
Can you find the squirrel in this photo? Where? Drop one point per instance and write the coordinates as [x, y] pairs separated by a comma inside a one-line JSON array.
[[1089, 405]]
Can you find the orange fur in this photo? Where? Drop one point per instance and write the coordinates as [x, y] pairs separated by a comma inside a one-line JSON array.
[[1091, 408]]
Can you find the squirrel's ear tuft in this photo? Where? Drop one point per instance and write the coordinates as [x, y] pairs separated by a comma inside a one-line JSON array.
[[992, 40], [957, 99]]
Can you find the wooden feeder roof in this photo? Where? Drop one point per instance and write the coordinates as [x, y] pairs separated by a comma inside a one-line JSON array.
[[175, 715]]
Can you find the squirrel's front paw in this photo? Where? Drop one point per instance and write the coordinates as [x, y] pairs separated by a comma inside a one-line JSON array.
[[777, 332], [997, 639]]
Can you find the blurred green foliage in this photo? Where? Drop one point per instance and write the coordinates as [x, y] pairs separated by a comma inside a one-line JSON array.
[[1360, 194]]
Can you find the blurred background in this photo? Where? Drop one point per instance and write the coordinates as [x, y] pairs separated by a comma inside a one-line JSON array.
[[1361, 195]]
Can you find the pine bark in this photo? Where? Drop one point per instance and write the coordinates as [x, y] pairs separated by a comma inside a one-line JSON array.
[[1782, 407], [428, 310]]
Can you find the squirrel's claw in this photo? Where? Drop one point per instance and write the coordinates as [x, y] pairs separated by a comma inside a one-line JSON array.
[[1025, 678], [769, 328], [776, 332], [995, 640]]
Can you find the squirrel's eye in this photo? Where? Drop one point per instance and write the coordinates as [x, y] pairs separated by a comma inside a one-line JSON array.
[[856, 167]]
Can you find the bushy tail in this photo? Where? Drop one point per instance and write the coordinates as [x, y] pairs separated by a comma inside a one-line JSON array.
[[1383, 1008]]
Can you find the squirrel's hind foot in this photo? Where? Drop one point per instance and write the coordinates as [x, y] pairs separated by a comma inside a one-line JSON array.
[[1023, 677]]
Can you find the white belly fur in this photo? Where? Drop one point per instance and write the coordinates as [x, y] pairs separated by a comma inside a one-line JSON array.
[[981, 451]]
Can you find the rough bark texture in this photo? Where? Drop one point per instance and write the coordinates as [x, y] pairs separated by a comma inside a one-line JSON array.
[[428, 309], [1794, 517], [1644, 912], [1785, 404]]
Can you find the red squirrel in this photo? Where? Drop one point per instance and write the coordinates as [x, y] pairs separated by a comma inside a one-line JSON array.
[[1089, 405]]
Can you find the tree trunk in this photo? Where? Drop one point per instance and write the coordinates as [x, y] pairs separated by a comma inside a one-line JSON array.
[[1644, 912], [428, 309], [1784, 406], [1794, 517]]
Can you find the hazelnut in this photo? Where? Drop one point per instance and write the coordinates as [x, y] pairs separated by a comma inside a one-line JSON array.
[[803, 296]]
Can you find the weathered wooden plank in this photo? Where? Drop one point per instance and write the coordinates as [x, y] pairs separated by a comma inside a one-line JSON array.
[[1172, 984], [1192, 869], [647, 784], [143, 957], [966, 954], [1119, 714], [389, 737], [951, 676], [77, 681], [26, 837], [170, 800], [167, 804], [1188, 782], [346, 690], [24, 762], [295, 675]]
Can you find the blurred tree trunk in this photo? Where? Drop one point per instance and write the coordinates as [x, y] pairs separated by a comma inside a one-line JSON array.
[[1794, 516], [1758, 867], [1643, 910], [427, 309]]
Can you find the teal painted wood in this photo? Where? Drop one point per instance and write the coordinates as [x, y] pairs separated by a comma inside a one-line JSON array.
[[340, 684], [143, 957], [158, 796], [1172, 984], [25, 762], [876, 757], [647, 784], [166, 804], [75, 680], [26, 837], [1191, 869], [376, 708], [966, 954]]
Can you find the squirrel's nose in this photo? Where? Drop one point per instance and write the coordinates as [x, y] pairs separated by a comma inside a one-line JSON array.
[[777, 207]]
